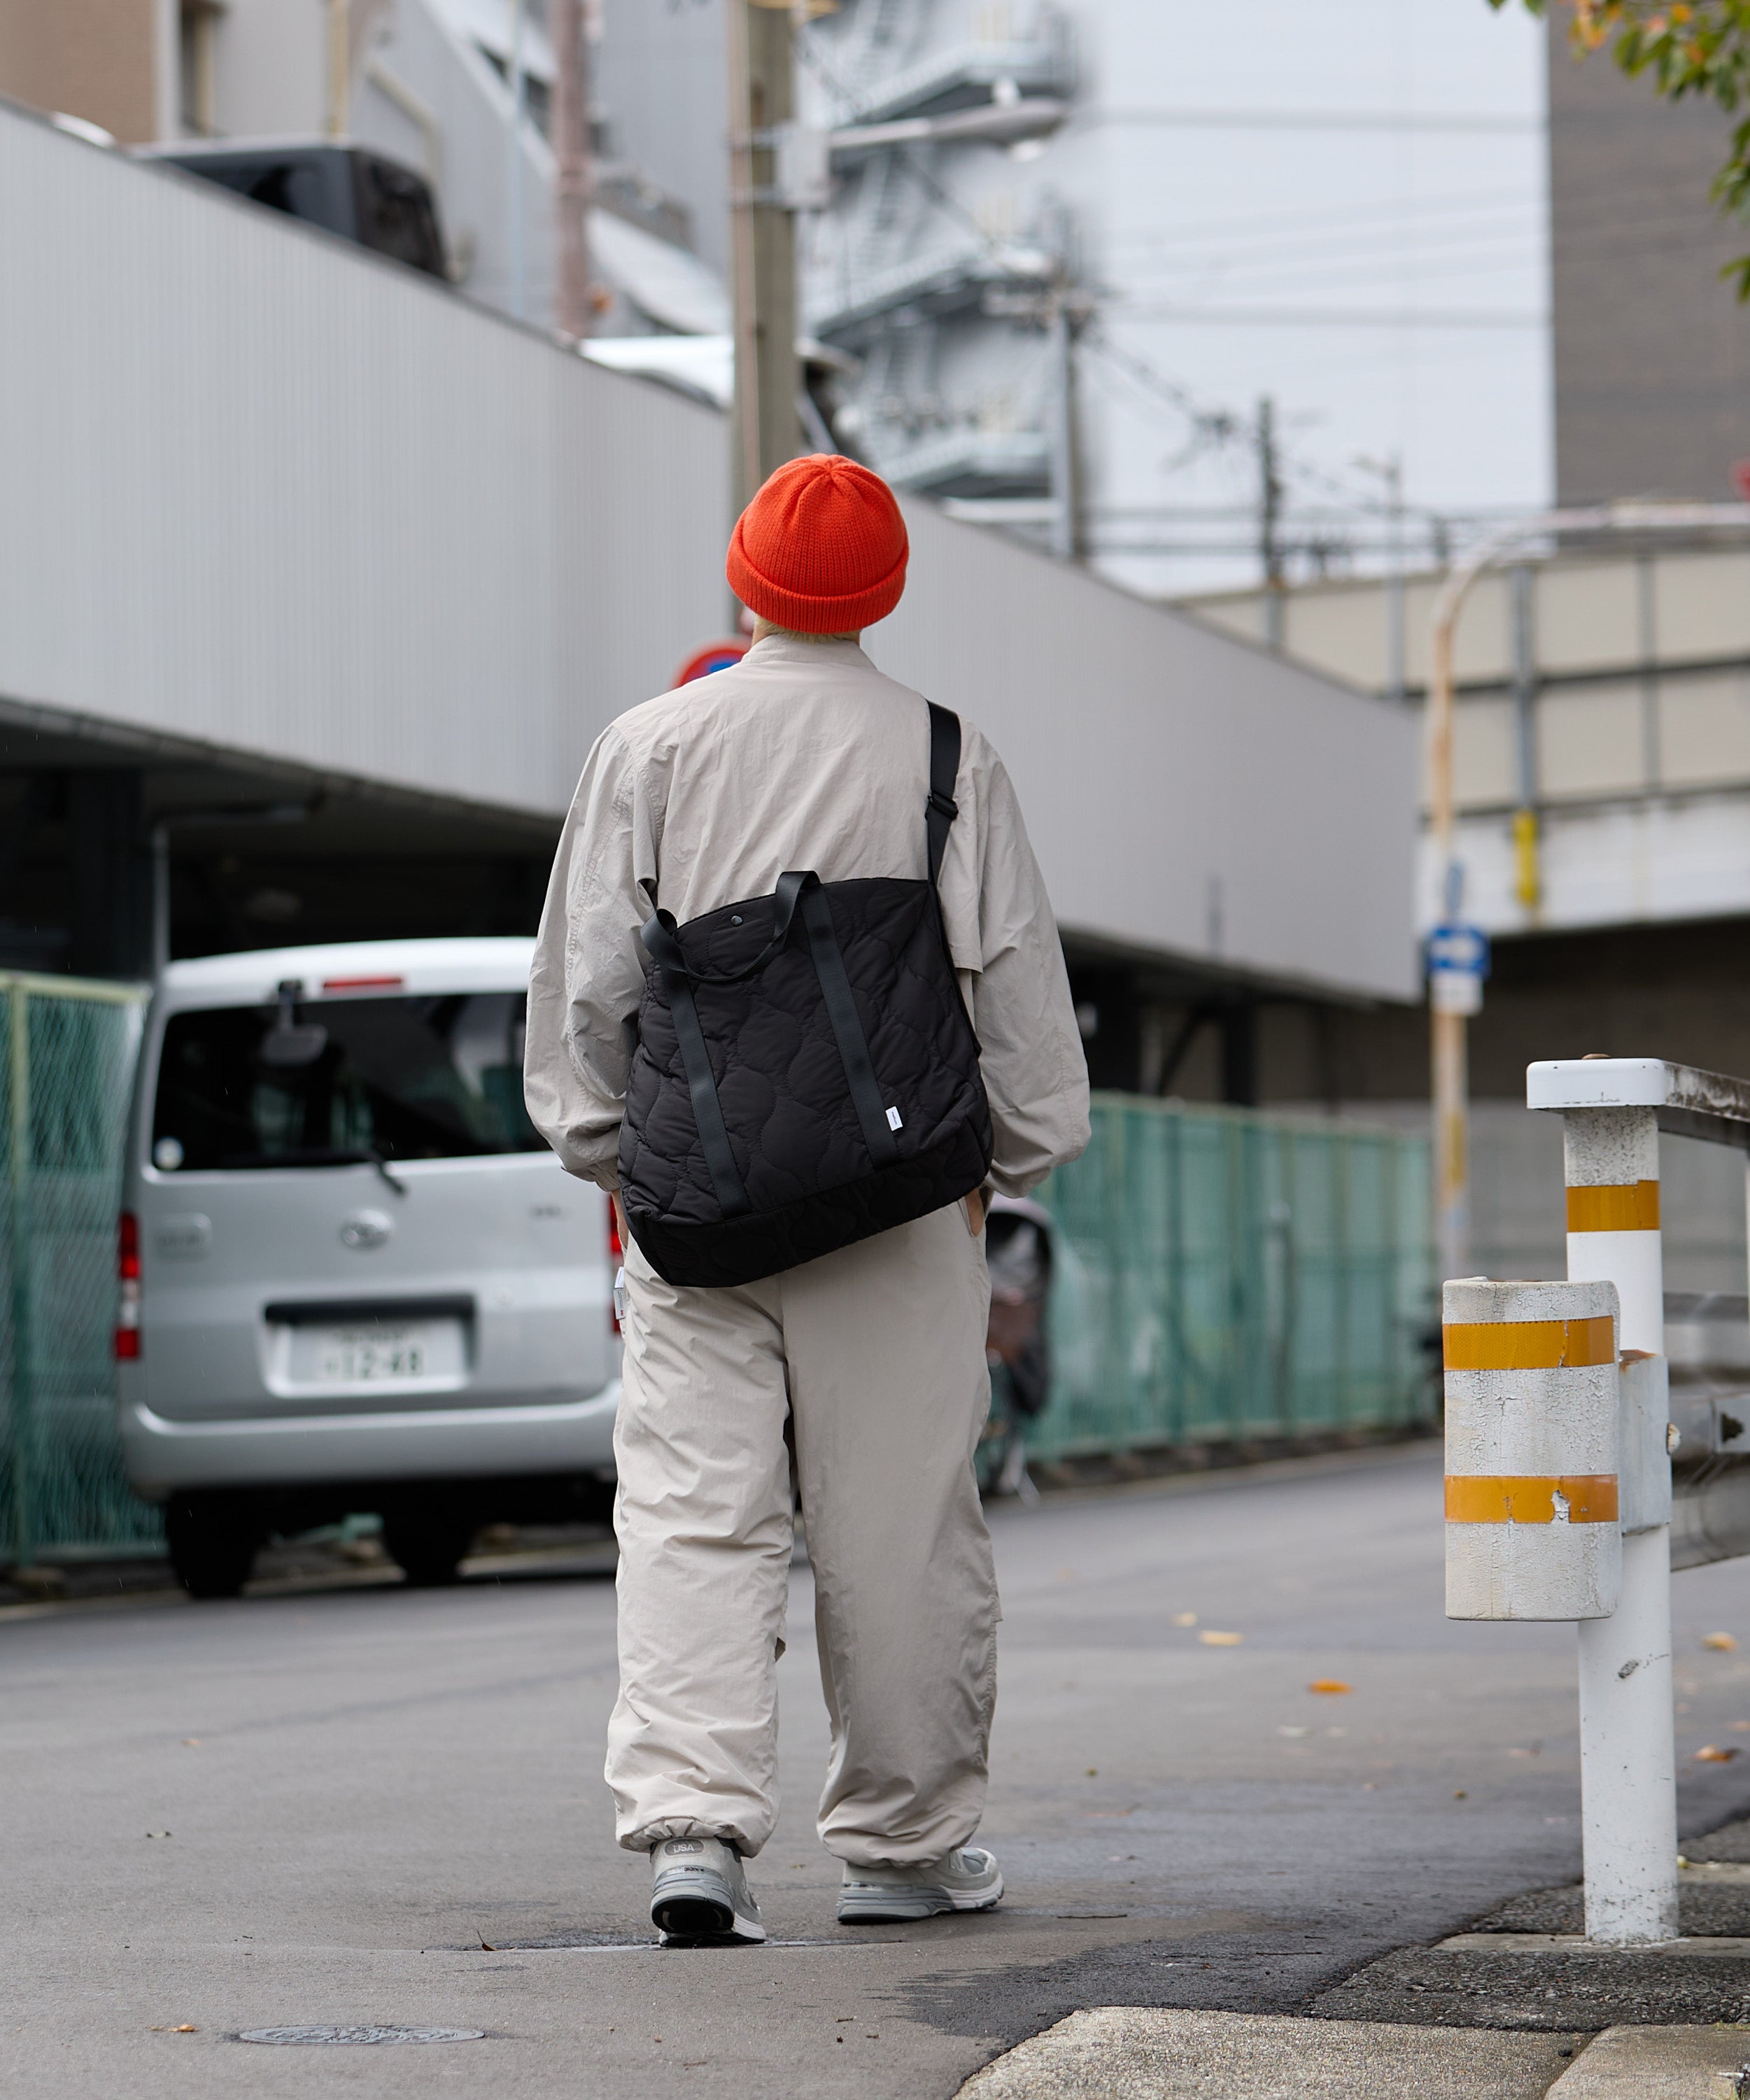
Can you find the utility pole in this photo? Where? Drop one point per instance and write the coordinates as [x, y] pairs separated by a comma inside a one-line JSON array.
[[1390, 470], [1270, 520], [1396, 666], [1066, 466], [768, 425], [339, 67], [519, 239], [573, 312]]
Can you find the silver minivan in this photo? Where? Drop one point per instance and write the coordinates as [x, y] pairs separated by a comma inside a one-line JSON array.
[[353, 1276]]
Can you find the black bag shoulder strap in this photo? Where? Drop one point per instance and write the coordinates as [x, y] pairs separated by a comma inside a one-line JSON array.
[[940, 811]]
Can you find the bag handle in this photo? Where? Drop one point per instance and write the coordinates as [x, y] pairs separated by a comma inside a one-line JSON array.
[[658, 935]]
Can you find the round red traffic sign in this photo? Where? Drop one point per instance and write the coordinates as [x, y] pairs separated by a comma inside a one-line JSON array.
[[714, 656]]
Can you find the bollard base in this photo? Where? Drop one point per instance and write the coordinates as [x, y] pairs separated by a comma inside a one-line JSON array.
[[1628, 1755], [1551, 1983], [1577, 1942]]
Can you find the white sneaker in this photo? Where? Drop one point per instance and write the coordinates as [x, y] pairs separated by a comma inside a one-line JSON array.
[[968, 1879], [699, 1892]]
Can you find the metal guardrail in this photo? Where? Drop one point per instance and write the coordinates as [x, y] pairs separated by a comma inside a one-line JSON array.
[[1613, 1110], [1711, 1448]]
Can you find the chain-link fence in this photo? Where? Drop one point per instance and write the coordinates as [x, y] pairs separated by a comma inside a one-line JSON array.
[[67, 1057], [1230, 1276]]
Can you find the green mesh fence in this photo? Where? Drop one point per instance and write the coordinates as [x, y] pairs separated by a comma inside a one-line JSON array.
[[1225, 1275], [67, 1056], [1230, 1275]]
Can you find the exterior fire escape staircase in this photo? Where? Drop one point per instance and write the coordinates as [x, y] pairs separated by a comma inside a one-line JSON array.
[[896, 262]]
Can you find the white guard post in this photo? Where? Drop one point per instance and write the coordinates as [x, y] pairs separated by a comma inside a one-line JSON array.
[[1612, 1110], [1532, 1438]]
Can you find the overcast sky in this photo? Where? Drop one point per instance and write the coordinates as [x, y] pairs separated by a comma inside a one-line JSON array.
[[1357, 226]]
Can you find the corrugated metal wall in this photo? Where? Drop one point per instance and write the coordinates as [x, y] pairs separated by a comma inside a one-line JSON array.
[[262, 490], [1183, 791]]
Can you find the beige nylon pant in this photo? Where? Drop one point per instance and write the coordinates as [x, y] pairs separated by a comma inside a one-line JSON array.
[[876, 1357]]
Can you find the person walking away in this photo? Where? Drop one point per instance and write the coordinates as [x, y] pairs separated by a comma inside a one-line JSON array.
[[782, 893]]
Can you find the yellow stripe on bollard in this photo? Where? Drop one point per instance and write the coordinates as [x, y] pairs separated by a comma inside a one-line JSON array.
[[1524, 1498], [1529, 1345], [1629, 1207]]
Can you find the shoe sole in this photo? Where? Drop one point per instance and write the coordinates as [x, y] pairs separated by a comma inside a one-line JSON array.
[[695, 1917], [878, 1906]]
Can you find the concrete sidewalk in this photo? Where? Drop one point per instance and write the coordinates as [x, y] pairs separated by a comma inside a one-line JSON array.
[[347, 1803], [1121, 2052]]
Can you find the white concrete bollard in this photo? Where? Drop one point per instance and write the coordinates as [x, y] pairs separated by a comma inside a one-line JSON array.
[[1532, 1435]]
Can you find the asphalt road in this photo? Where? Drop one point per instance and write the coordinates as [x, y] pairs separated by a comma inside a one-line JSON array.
[[313, 1808]]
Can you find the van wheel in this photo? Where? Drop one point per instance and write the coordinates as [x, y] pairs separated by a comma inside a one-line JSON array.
[[212, 1545], [428, 1546]]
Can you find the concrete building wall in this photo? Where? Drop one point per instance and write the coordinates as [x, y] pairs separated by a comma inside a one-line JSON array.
[[112, 62], [1186, 796], [1652, 350], [1629, 735]]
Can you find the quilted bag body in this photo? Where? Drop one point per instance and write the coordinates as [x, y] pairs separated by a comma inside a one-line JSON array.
[[806, 1074]]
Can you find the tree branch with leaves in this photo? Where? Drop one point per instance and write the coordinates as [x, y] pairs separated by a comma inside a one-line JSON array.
[[1701, 50]]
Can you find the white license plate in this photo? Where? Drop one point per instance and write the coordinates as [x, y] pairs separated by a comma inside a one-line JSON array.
[[377, 1353]]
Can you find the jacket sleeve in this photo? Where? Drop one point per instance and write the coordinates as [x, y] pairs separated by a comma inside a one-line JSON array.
[[1035, 1073], [588, 975]]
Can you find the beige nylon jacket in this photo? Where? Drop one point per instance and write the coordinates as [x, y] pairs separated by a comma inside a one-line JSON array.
[[803, 755]]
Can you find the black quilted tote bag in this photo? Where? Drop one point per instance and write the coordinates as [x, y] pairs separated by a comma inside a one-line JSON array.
[[806, 1073]]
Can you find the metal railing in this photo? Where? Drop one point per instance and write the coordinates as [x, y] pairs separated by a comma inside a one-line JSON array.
[[1520, 1557], [1227, 1277], [69, 1048]]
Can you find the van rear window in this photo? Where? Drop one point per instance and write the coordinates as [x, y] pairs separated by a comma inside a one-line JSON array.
[[329, 1083]]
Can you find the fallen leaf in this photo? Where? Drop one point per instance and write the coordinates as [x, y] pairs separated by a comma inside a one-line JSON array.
[[191, 1742], [1221, 1640], [1093, 1772], [1459, 1794], [1331, 1684], [1725, 1641], [1184, 1618], [1713, 1754], [185, 2029]]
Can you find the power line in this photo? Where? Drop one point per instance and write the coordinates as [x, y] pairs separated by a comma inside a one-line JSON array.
[[1276, 221], [1363, 317], [1317, 120]]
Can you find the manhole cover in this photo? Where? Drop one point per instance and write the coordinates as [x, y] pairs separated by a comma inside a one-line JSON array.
[[353, 2037]]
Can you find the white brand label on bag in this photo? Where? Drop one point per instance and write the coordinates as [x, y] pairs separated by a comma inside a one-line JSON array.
[[894, 1120]]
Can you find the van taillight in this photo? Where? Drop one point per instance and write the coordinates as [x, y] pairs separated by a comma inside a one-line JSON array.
[[127, 1273], [616, 1257]]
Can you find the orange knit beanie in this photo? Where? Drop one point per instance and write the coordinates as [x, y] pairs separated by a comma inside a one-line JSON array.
[[821, 548]]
